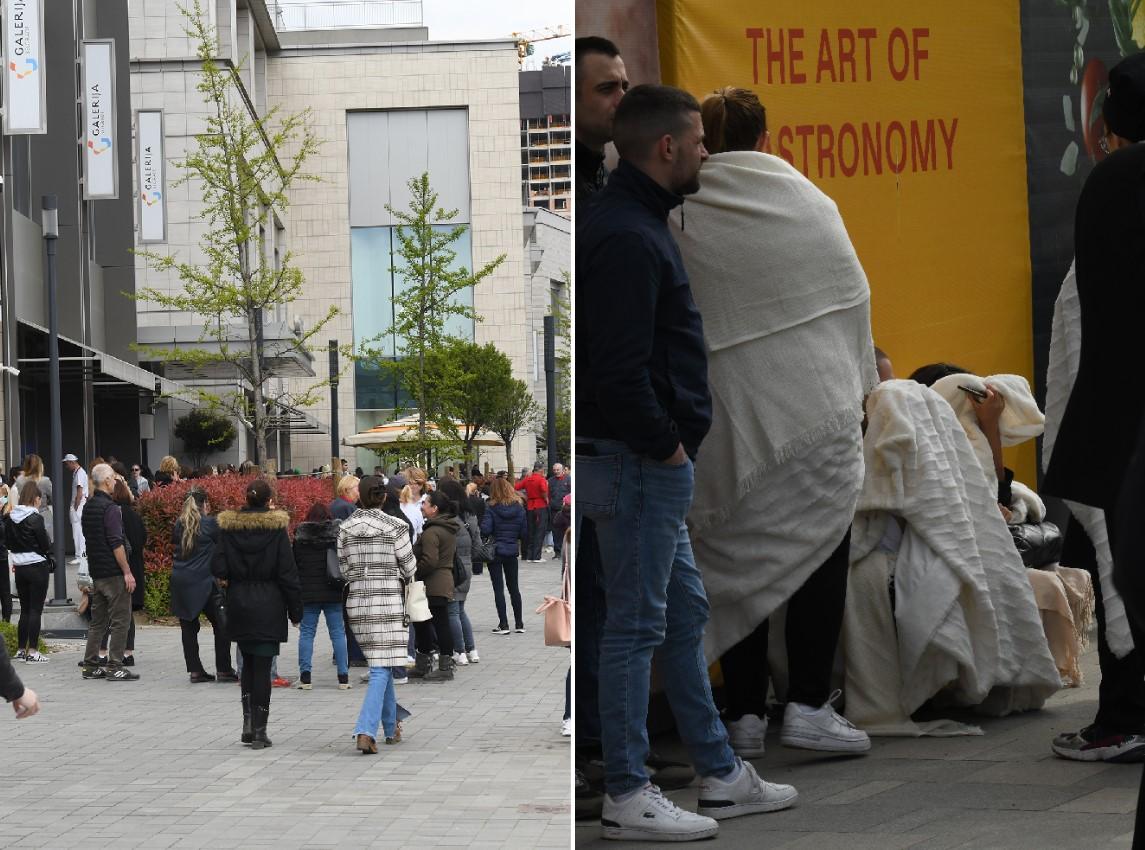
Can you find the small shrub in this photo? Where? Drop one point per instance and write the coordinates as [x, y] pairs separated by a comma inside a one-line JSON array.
[[160, 509], [8, 631]]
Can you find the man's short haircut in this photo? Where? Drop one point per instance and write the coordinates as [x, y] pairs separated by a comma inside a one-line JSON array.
[[594, 44], [648, 113], [101, 472]]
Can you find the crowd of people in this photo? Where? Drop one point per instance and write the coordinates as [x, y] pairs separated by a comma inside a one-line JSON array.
[[744, 450], [348, 562]]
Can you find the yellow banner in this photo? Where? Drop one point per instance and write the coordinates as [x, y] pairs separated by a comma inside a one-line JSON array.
[[909, 115]]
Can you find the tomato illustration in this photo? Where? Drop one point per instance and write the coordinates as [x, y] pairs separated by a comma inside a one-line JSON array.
[[1093, 85]]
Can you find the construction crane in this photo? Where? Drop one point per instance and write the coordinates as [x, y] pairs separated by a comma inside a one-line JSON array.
[[526, 39]]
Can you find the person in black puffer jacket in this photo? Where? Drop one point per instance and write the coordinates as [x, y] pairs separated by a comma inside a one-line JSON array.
[[506, 520], [313, 539], [255, 559], [5, 582]]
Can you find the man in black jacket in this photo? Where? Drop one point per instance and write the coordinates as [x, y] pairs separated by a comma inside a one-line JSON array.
[[601, 82], [643, 408], [113, 582], [24, 700]]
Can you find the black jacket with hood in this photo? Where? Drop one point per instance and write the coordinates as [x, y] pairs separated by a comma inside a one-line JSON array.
[[26, 536], [254, 556], [312, 540]]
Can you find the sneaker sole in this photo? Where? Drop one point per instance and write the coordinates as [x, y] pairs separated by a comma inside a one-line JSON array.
[[735, 810], [826, 745], [628, 833], [304, 687], [1113, 755], [747, 752]]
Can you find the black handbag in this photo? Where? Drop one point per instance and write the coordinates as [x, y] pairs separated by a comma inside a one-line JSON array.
[[459, 573], [1039, 543], [218, 603], [334, 570]]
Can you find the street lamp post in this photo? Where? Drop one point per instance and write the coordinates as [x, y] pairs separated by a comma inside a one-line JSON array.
[[51, 227], [551, 388]]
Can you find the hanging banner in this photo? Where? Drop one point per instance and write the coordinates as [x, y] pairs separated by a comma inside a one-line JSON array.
[[101, 172], [25, 109], [909, 115], [152, 190]]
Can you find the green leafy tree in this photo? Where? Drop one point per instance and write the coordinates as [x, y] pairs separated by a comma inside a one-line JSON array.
[[244, 167], [514, 411], [464, 381], [430, 296], [204, 432]]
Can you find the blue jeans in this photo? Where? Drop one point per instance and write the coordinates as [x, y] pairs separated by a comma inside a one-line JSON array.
[[460, 626], [656, 603], [380, 707], [334, 625]]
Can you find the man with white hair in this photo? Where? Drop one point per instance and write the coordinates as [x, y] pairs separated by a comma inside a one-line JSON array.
[[102, 523]]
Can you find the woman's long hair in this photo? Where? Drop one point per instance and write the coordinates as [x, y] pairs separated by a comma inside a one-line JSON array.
[[33, 467], [452, 490], [191, 517], [502, 493]]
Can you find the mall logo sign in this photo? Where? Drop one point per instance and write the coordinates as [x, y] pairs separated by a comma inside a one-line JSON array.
[[24, 67], [101, 175]]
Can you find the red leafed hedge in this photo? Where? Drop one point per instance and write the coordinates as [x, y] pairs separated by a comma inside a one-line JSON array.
[[161, 507]]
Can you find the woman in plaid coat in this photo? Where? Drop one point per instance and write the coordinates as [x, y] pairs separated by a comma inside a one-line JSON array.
[[375, 555]]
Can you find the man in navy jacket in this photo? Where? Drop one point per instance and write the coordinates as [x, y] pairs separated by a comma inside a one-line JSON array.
[[643, 408]]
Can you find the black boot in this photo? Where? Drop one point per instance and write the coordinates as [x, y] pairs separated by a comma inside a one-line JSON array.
[[423, 665], [248, 728], [443, 671], [259, 739]]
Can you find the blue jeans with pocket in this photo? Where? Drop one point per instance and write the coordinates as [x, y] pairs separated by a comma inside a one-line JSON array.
[[656, 604], [332, 611], [380, 707]]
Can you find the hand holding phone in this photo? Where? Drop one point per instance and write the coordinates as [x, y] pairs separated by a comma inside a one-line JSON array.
[[981, 395]]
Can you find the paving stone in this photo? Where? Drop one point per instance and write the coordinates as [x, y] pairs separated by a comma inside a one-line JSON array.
[[162, 756]]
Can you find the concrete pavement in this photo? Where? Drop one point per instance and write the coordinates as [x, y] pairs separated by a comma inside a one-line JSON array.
[[1002, 790], [157, 763]]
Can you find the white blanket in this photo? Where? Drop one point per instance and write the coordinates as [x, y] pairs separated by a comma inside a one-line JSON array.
[[965, 612], [1021, 418], [1065, 353], [786, 311]]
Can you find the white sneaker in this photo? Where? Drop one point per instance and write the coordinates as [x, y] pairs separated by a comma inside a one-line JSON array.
[[21, 655], [746, 735], [473, 656], [566, 727], [650, 816], [821, 729], [460, 659], [35, 658], [745, 794]]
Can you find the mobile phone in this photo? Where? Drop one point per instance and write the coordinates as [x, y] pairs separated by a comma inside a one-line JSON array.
[[978, 394]]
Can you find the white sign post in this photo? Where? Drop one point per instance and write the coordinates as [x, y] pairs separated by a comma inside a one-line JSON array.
[[101, 148], [150, 173], [24, 60]]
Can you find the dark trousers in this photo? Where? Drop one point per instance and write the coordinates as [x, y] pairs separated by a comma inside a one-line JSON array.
[[439, 607], [1121, 693], [354, 652], [255, 680], [590, 615], [190, 634], [503, 570], [128, 645], [538, 525], [32, 589], [5, 593], [814, 621], [110, 608]]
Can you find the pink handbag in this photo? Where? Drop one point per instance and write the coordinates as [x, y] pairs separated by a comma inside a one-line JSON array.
[[558, 615]]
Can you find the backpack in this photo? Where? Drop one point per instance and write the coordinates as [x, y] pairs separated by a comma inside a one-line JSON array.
[[459, 574]]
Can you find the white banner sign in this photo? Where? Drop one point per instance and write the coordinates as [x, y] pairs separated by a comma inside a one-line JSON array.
[[100, 144], [25, 110], [152, 190]]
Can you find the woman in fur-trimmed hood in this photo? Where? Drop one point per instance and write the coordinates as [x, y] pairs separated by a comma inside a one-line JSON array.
[[255, 560]]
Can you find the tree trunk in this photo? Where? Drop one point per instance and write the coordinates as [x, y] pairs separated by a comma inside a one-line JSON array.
[[258, 418]]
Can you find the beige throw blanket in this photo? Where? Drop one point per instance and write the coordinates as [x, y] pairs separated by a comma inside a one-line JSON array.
[[965, 616], [786, 311]]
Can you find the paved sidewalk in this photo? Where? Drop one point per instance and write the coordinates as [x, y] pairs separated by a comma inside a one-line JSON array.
[[1002, 790], [157, 763]]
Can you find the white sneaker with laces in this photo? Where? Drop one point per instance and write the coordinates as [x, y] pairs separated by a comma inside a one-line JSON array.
[[821, 729], [21, 655], [566, 727], [35, 657], [650, 816], [473, 656], [460, 659], [744, 794], [746, 735]]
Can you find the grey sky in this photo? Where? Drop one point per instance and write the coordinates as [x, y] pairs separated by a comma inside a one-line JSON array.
[[448, 19]]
